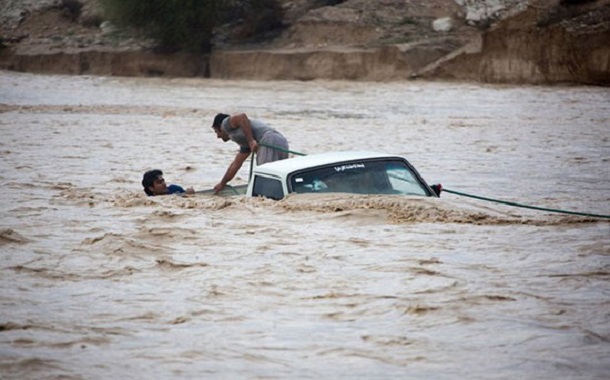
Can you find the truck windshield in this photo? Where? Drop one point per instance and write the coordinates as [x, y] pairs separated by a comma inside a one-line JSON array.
[[385, 176]]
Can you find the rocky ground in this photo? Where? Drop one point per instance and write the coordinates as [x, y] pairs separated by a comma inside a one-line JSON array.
[[49, 25], [353, 39]]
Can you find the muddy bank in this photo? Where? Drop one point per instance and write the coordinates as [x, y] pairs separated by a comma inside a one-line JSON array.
[[385, 63], [512, 53], [110, 63], [519, 57]]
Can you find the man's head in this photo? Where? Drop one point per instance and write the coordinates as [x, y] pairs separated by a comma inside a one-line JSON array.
[[154, 183], [218, 119]]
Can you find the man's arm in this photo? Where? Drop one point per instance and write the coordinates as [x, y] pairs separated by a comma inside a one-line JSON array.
[[242, 121], [231, 170]]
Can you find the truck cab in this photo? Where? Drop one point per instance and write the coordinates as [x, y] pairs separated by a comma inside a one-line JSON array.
[[356, 172]]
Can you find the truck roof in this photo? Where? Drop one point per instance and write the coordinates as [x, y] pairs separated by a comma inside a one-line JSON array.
[[284, 167]]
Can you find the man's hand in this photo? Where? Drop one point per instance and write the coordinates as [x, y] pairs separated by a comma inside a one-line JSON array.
[[253, 146], [219, 188]]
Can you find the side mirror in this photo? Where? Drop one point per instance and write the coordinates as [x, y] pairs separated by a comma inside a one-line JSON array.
[[437, 189]]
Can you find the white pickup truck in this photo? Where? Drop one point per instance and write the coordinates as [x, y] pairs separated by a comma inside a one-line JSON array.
[[357, 172]]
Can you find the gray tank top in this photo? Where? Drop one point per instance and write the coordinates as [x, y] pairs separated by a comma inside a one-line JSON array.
[[236, 134]]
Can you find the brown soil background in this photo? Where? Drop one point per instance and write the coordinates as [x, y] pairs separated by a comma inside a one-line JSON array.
[[544, 42]]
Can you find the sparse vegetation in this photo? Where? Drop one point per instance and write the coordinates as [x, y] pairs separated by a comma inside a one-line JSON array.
[[252, 17], [71, 9], [330, 2], [175, 24], [397, 40], [188, 25], [408, 21]]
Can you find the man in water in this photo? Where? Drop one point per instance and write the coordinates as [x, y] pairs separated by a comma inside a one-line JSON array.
[[154, 184], [251, 136]]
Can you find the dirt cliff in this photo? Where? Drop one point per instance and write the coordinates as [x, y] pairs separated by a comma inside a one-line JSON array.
[[541, 45], [551, 41]]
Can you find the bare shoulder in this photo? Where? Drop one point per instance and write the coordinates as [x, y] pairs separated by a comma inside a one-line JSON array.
[[238, 120]]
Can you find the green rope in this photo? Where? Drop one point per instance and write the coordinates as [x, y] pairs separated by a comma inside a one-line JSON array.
[[526, 206], [252, 156], [232, 189], [211, 191], [272, 147]]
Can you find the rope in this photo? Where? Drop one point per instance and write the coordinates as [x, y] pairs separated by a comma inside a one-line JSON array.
[[275, 147], [514, 204], [232, 189], [252, 157], [211, 191]]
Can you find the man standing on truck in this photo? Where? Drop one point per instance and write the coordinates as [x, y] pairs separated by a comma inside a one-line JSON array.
[[251, 136]]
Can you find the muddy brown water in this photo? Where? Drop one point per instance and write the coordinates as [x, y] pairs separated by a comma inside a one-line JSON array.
[[99, 281]]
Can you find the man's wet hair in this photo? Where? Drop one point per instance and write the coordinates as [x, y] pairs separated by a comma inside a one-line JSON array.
[[149, 179], [218, 119]]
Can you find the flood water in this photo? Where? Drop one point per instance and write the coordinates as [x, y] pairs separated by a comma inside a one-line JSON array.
[[98, 281]]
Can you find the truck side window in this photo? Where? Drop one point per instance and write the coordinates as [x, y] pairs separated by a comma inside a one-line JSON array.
[[267, 187]]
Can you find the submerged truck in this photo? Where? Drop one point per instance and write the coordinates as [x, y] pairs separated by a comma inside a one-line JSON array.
[[356, 172]]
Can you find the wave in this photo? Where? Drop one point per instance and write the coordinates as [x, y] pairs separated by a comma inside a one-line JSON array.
[[402, 210], [392, 208], [8, 235]]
